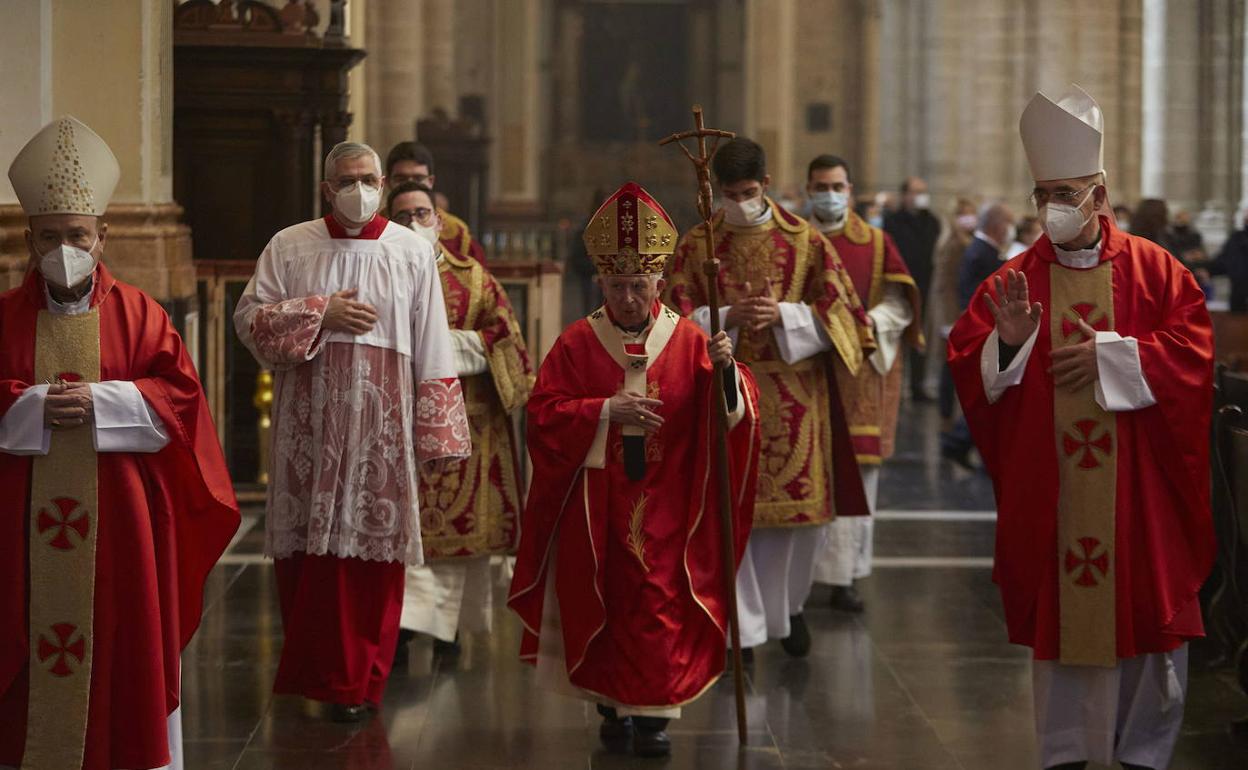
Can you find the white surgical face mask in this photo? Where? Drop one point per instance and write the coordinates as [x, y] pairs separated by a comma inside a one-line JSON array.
[[429, 233], [746, 213], [922, 201], [67, 266], [358, 202], [829, 205], [1063, 223], [967, 222]]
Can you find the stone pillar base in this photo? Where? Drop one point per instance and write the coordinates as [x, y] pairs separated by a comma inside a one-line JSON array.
[[147, 247]]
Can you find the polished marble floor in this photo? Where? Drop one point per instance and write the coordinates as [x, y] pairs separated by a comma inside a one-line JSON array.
[[924, 679]]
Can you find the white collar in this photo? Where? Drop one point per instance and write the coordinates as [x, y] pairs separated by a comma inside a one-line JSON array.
[[983, 236], [77, 307], [829, 227], [1080, 259]]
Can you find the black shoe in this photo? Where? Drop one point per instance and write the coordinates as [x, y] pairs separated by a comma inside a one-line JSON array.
[[446, 649], [347, 713], [650, 737], [401, 650], [797, 643], [959, 457], [846, 599], [615, 733], [747, 658]]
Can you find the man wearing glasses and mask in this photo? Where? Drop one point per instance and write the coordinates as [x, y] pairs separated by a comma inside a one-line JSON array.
[[348, 310], [469, 510], [1084, 367], [412, 162]]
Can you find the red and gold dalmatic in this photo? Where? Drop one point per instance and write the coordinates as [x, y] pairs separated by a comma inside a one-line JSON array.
[[456, 238], [872, 399], [805, 440], [472, 507]]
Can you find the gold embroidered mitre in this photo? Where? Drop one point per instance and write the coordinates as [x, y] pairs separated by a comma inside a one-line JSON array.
[[66, 168], [630, 234]]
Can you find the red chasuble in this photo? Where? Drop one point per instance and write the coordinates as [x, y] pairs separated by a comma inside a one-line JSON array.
[[164, 520], [1162, 542], [639, 577]]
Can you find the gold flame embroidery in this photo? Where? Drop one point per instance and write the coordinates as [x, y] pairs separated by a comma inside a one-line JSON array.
[[637, 538]]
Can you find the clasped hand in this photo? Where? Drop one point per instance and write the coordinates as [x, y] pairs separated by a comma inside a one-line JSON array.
[[68, 405], [754, 311]]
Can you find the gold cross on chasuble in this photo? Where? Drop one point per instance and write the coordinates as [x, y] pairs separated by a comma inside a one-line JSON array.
[[1087, 446], [62, 555]]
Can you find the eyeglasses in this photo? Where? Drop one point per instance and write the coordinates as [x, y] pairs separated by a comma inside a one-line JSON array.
[[398, 179], [1039, 197], [343, 182], [421, 215]]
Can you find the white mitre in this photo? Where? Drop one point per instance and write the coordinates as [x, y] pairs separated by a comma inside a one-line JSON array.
[[1063, 139], [66, 168]]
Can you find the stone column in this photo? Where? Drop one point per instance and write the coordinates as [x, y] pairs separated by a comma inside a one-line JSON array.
[[771, 84], [1243, 99], [1171, 103], [440, 48], [108, 63], [392, 72], [867, 63], [517, 119]]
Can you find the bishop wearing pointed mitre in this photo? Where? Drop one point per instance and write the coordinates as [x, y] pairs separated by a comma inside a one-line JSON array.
[[1084, 366], [116, 502], [619, 578]]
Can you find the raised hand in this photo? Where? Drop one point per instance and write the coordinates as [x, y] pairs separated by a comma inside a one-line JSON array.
[[1011, 307], [632, 409], [344, 314]]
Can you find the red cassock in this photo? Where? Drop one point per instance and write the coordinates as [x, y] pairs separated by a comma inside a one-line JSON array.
[[165, 518], [639, 576], [1164, 542]]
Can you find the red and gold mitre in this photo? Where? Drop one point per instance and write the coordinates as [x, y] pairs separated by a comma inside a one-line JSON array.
[[630, 234]]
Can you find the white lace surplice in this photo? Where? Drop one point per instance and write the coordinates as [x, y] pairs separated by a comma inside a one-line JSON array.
[[352, 415]]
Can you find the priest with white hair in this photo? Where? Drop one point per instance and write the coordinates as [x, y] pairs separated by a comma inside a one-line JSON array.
[[1084, 366], [348, 311]]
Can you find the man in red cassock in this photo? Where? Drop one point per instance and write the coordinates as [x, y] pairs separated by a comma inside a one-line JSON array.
[[117, 501], [619, 580], [1084, 367]]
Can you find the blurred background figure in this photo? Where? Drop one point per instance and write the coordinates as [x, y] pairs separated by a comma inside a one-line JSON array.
[[1122, 216], [944, 308], [1232, 261], [915, 230], [1028, 230], [983, 257]]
